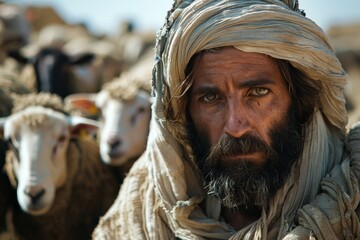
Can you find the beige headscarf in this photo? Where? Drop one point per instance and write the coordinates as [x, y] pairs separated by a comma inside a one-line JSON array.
[[161, 197]]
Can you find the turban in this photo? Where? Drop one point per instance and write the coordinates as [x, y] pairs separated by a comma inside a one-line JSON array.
[[163, 196]]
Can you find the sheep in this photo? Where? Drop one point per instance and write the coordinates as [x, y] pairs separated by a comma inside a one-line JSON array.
[[57, 35], [106, 64], [62, 187], [54, 71], [133, 44], [120, 102], [125, 116]]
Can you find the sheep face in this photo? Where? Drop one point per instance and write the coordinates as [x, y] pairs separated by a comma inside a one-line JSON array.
[[55, 72], [125, 126], [39, 138]]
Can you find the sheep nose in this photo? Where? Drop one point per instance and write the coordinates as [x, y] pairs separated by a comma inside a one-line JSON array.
[[34, 192], [114, 143]]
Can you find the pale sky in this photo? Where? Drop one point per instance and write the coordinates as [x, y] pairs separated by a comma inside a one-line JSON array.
[[103, 16]]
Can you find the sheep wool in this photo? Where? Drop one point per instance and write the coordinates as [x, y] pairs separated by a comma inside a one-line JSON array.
[[10, 82], [89, 191], [42, 99], [121, 89]]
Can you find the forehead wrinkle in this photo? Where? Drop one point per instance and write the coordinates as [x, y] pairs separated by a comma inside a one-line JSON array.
[[209, 61], [248, 79]]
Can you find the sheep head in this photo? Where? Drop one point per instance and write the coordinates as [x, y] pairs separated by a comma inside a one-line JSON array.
[[125, 127], [56, 71], [124, 121], [38, 138]]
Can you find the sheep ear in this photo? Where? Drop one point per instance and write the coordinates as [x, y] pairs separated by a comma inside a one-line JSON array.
[[83, 102], [83, 128]]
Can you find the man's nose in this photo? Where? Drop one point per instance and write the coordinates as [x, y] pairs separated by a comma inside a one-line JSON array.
[[237, 122]]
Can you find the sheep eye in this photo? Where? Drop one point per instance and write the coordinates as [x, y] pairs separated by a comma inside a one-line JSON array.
[[135, 116], [61, 139], [141, 110]]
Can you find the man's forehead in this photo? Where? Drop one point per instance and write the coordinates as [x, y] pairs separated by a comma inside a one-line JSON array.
[[231, 58]]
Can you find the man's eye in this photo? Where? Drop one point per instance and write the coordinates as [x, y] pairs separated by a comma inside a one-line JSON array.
[[259, 91], [210, 97]]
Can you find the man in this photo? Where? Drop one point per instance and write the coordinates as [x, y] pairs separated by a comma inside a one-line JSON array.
[[248, 137]]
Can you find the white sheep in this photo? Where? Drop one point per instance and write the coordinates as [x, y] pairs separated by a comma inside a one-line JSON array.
[[125, 116], [62, 186]]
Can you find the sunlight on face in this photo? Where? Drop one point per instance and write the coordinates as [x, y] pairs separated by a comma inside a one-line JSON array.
[[235, 93]]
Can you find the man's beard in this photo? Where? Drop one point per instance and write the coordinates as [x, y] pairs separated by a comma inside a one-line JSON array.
[[243, 184]]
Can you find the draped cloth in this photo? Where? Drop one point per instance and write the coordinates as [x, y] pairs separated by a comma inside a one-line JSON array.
[[163, 195]]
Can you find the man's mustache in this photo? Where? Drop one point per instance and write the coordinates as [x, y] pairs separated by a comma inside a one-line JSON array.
[[229, 146]]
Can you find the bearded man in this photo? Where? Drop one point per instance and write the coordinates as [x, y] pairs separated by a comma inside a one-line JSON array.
[[248, 137]]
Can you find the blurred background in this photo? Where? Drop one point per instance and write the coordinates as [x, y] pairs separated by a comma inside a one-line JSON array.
[[103, 16]]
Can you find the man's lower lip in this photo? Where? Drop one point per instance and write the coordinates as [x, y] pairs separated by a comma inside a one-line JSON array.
[[254, 158], [248, 155]]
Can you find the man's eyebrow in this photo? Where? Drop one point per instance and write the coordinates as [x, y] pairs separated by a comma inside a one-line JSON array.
[[204, 89], [255, 82], [244, 84]]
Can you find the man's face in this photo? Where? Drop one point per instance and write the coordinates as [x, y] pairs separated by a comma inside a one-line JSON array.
[[243, 131]]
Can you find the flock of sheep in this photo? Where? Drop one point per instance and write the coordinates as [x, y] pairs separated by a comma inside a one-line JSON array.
[[74, 116]]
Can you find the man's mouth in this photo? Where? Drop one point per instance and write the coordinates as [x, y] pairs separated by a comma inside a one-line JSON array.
[[255, 158]]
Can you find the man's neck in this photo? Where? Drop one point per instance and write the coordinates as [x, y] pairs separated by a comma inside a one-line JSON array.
[[239, 218]]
